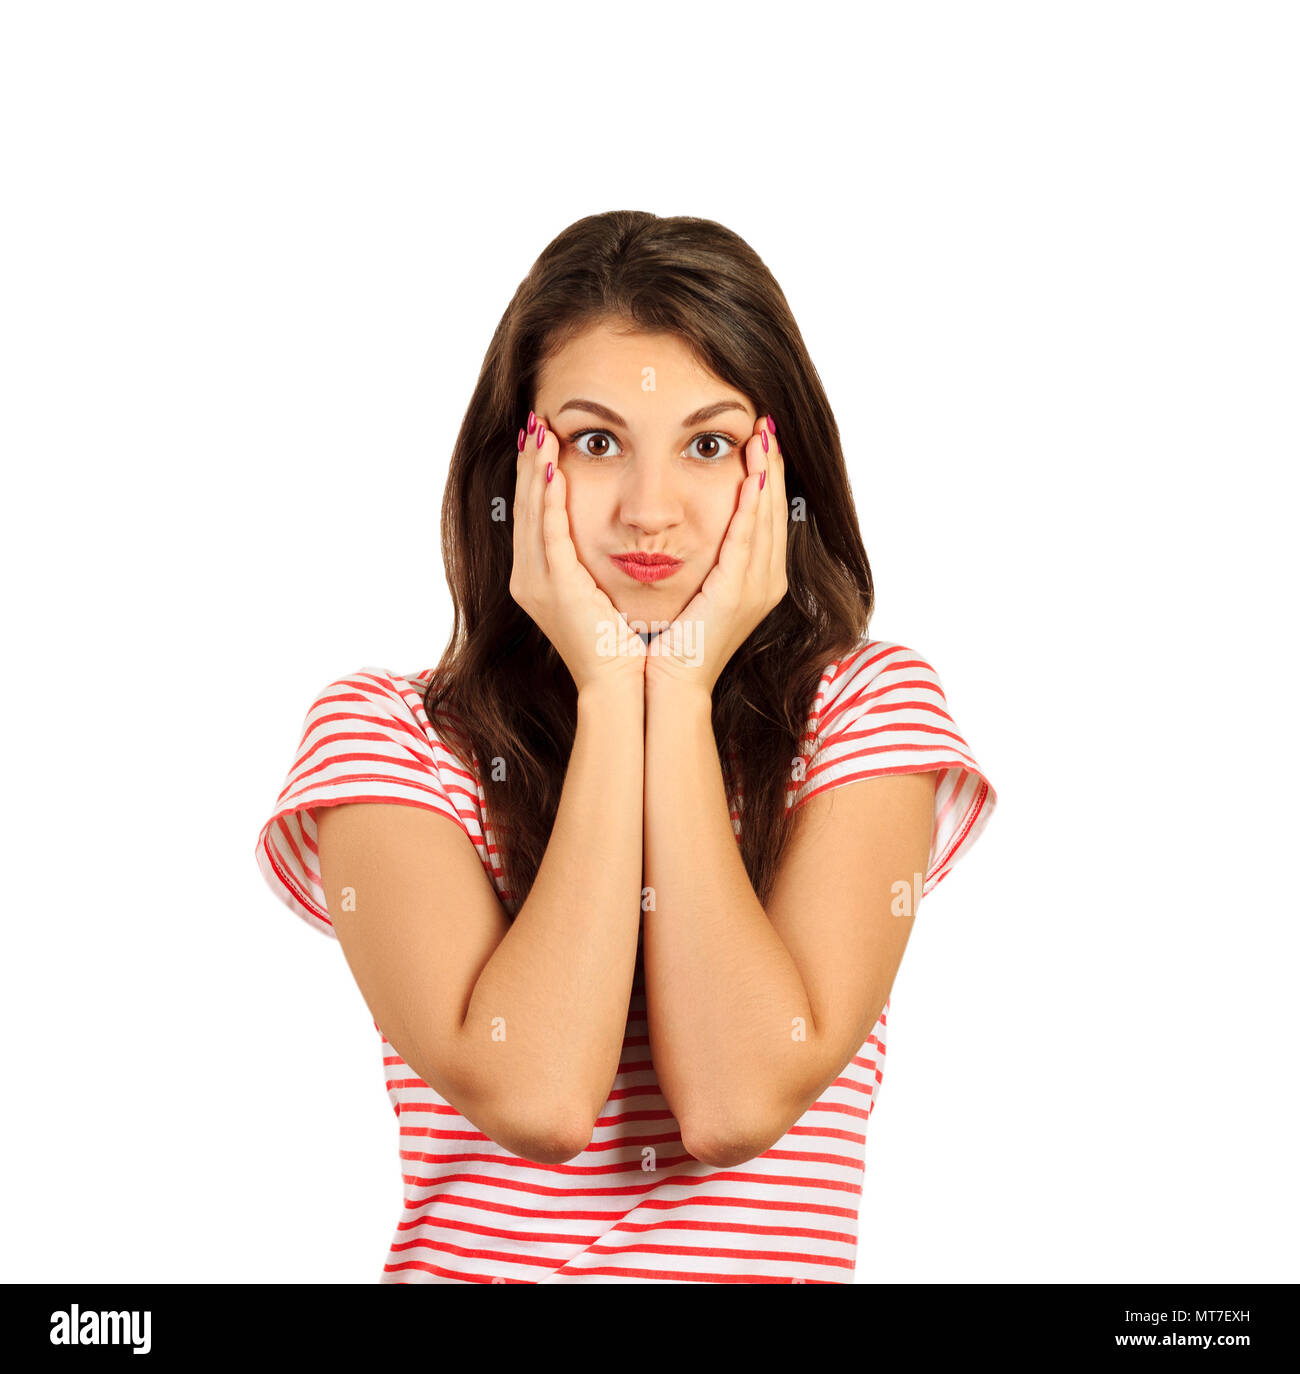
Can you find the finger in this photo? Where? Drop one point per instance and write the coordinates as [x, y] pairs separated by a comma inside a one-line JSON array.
[[780, 507], [781, 514], [737, 547], [542, 447], [557, 537], [523, 478], [761, 553], [562, 553]]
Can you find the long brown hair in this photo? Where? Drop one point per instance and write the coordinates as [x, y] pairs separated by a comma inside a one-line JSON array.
[[501, 696]]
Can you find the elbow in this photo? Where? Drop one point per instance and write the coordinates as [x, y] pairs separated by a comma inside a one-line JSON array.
[[556, 1143], [725, 1149], [549, 1137], [543, 1133]]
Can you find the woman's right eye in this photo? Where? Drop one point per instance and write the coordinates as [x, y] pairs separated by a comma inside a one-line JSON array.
[[600, 434]]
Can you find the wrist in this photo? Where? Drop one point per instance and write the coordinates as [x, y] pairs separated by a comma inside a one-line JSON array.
[[690, 692], [616, 691]]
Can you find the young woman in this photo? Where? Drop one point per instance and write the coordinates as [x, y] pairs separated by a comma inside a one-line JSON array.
[[632, 997]]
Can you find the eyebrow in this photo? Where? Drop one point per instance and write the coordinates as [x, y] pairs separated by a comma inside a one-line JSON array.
[[697, 417]]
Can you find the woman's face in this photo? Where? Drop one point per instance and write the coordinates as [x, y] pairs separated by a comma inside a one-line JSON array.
[[652, 450]]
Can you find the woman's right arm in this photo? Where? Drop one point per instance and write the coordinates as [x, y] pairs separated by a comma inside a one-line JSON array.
[[518, 1025]]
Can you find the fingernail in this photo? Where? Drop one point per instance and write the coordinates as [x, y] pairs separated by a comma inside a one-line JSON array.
[[541, 434], [523, 439], [763, 432], [762, 479], [550, 471], [771, 424], [532, 422]]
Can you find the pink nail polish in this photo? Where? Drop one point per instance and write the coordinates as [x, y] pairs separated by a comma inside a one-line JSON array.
[[550, 471], [762, 479], [541, 434], [771, 424], [763, 432], [523, 439], [532, 422]]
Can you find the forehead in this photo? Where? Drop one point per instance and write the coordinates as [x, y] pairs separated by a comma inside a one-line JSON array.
[[612, 357]]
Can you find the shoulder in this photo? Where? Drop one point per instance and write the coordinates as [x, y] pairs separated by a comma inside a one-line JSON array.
[[874, 671], [375, 696], [366, 738], [367, 734], [881, 710], [373, 688], [374, 714]]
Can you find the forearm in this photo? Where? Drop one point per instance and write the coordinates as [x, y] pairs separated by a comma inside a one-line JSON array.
[[724, 997], [547, 1016]]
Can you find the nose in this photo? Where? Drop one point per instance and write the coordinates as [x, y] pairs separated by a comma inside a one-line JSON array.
[[650, 497]]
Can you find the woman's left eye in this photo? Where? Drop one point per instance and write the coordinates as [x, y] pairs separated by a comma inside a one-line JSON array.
[[714, 439]]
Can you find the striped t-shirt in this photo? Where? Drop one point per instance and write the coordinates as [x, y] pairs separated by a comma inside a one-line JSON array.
[[475, 1213]]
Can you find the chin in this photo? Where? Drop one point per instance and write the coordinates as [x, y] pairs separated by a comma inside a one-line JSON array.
[[654, 614]]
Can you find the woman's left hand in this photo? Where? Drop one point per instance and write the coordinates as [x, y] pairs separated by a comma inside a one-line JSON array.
[[746, 582]]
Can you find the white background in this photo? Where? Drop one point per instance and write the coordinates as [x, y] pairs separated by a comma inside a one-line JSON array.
[[1044, 257]]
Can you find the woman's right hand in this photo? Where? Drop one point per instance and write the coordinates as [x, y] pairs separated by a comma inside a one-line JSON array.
[[548, 581]]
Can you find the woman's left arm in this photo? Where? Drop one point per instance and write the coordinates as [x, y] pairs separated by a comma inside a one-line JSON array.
[[754, 1012]]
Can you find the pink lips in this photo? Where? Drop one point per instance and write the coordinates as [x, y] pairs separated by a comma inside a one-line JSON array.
[[647, 567]]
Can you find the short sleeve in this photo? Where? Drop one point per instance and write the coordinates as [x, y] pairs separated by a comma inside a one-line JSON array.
[[365, 739], [882, 710]]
